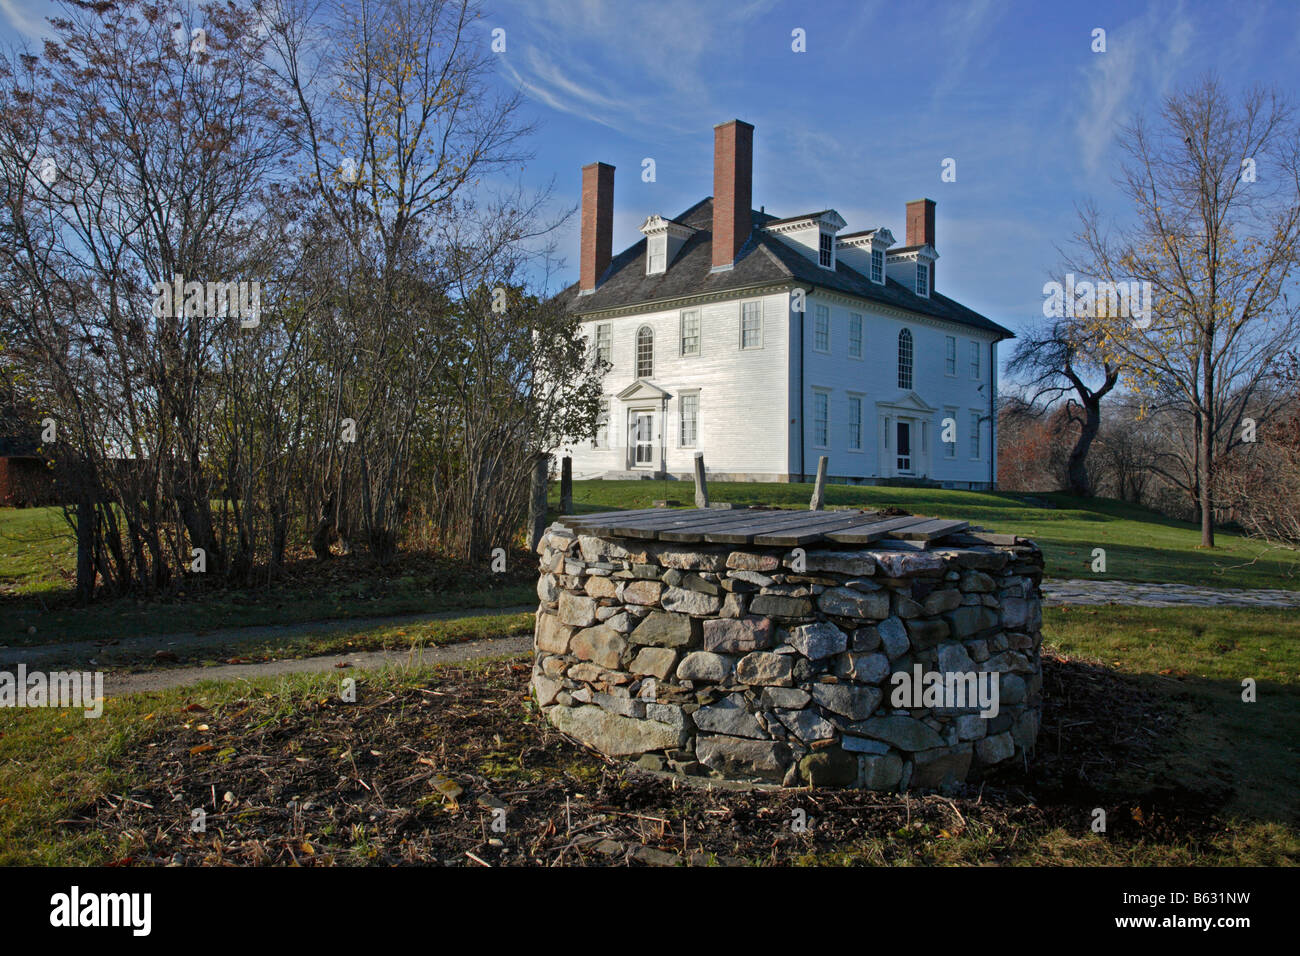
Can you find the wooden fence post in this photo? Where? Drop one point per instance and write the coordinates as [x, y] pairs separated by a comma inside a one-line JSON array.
[[701, 485], [537, 501], [566, 485], [818, 502]]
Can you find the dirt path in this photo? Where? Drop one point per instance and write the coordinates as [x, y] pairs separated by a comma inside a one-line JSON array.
[[103, 654], [116, 685]]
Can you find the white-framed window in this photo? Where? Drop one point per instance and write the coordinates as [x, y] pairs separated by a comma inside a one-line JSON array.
[[826, 251], [645, 352], [821, 419], [949, 447], [877, 265], [656, 260], [822, 329], [888, 428], [604, 346], [950, 355], [691, 332], [905, 359], [689, 415], [975, 360], [602, 426], [751, 324], [922, 279], [974, 434], [855, 335], [855, 422]]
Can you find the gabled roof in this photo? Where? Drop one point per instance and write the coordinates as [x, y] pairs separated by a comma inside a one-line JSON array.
[[763, 260]]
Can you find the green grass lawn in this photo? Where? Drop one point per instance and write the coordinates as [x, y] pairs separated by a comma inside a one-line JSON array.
[[1199, 657], [1140, 545], [59, 772]]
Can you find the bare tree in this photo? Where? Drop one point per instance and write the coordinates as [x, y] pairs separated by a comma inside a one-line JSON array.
[[397, 122], [138, 149], [1215, 192], [1062, 361]]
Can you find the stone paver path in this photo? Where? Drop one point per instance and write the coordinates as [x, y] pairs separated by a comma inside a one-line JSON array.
[[1057, 592]]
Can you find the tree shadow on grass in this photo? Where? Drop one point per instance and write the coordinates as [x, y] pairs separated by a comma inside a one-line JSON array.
[[1168, 757]]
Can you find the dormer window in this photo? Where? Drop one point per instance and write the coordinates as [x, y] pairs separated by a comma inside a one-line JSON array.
[[922, 279], [663, 240], [812, 235], [656, 255], [878, 265]]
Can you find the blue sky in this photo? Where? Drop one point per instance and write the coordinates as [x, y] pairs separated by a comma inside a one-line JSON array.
[[862, 120]]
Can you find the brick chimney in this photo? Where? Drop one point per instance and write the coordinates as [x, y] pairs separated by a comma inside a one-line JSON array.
[[733, 189], [920, 227], [597, 242]]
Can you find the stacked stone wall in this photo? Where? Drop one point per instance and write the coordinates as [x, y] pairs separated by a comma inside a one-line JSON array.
[[781, 664]]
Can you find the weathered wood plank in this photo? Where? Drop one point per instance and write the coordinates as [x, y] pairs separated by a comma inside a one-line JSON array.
[[604, 515], [648, 526], [898, 544], [874, 532], [808, 522], [756, 522], [930, 530], [803, 534], [990, 537], [653, 530]]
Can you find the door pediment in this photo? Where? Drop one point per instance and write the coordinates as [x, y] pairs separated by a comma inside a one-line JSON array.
[[908, 402], [641, 390]]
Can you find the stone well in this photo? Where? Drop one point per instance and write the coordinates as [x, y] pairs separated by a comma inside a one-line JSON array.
[[774, 663]]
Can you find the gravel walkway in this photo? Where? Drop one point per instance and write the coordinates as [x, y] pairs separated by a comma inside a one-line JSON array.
[[344, 665], [127, 650], [1163, 595]]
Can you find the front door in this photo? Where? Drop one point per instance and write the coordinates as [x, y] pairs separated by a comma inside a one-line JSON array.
[[903, 446], [641, 439]]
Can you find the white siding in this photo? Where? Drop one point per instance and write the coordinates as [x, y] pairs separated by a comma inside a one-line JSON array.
[[750, 399], [875, 379], [743, 400]]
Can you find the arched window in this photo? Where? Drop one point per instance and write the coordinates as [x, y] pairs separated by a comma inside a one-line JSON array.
[[905, 359], [645, 352]]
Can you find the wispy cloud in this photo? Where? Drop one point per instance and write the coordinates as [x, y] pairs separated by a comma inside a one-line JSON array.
[[27, 17], [623, 65], [1142, 56], [963, 32]]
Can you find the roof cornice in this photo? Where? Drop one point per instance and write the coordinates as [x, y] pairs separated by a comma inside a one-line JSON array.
[[892, 312], [686, 301], [834, 295]]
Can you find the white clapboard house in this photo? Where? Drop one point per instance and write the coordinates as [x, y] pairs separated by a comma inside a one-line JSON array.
[[767, 342]]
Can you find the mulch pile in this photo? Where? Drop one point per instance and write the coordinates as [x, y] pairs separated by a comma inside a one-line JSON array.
[[421, 775]]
